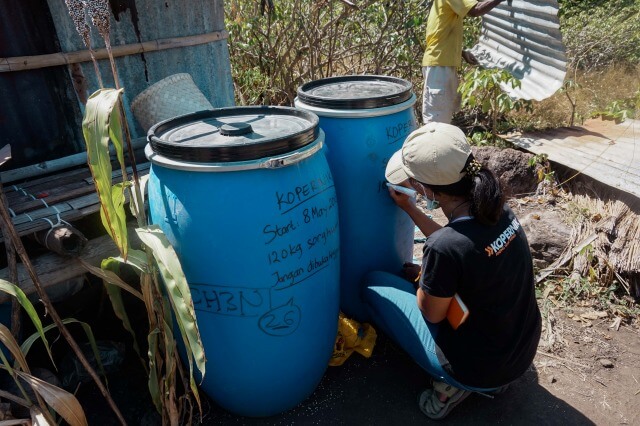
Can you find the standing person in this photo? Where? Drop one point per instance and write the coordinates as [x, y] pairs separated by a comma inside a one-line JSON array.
[[443, 55], [482, 255]]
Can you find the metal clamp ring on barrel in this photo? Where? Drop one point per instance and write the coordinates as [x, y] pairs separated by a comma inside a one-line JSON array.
[[357, 113], [262, 163]]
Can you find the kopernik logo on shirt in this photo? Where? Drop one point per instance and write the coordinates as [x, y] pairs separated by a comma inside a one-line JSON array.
[[500, 244]]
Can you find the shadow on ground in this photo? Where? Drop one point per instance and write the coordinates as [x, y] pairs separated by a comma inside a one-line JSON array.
[[382, 390]]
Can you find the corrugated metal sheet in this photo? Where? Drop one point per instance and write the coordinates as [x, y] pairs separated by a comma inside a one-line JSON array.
[[602, 150], [523, 37], [145, 20]]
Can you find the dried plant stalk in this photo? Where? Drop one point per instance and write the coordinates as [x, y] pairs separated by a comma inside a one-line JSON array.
[[78, 16]]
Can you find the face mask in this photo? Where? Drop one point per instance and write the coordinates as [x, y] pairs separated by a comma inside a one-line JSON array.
[[431, 204]]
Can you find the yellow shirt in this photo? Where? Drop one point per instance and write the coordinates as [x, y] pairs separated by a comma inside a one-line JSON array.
[[444, 32]]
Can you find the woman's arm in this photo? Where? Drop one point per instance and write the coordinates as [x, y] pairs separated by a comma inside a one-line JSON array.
[[434, 309], [422, 221]]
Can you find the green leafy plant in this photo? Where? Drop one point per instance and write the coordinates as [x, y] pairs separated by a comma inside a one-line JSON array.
[[481, 138], [163, 287], [48, 396], [620, 110], [543, 167], [570, 90], [303, 40], [487, 102], [601, 33]]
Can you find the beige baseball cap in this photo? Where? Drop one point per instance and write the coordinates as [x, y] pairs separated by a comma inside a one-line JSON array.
[[435, 154]]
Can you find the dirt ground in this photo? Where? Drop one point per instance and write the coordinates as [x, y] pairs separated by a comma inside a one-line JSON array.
[[571, 387], [587, 371]]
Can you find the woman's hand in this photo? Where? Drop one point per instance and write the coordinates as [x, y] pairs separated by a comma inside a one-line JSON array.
[[408, 204], [402, 200], [411, 272]]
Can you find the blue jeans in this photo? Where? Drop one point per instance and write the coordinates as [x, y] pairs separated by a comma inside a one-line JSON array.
[[391, 302]]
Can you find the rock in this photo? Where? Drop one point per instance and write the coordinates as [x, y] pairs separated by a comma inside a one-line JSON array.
[[546, 231], [511, 167], [606, 363], [547, 234], [552, 379]]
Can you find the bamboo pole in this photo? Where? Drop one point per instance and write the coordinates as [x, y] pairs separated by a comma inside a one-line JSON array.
[[55, 165], [21, 63], [12, 238]]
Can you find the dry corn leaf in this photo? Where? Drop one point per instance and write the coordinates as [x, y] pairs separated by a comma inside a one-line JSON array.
[[60, 400]]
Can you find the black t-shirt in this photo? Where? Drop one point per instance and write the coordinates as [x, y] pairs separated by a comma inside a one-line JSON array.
[[490, 267]]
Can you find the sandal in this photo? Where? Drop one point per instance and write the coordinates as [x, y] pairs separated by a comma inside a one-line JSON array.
[[430, 402]]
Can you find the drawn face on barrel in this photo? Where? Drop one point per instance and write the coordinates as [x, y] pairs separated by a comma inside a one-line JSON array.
[[281, 321]]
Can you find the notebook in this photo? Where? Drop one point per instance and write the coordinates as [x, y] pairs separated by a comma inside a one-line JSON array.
[[457, 312]]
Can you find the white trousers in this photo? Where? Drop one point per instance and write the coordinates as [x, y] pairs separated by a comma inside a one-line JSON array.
[[440, 99]]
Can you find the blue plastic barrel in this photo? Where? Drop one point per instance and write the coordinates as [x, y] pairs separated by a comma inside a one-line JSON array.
[[365, 119], [247, 199]]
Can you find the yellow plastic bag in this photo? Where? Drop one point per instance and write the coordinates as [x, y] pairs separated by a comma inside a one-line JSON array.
[[352, 336]]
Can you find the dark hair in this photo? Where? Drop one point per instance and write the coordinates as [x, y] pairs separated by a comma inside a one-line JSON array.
[[483, 190]]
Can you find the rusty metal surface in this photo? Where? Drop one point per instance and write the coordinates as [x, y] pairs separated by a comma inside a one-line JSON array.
[[523, 37], [603, 150], [144, 20]]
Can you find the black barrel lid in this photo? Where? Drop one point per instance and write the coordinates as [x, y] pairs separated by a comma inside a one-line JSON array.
[[234, 134], [355, 92]]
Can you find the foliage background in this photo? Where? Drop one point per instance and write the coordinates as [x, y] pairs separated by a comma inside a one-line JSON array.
[[274, 52], [277, 46]]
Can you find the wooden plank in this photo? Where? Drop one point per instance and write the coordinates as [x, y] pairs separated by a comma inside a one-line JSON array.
[[73, 202], [51, 211], [57, 179], [53, 268], [85, 201], [29, 223], [57, 195], [36, 196]]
